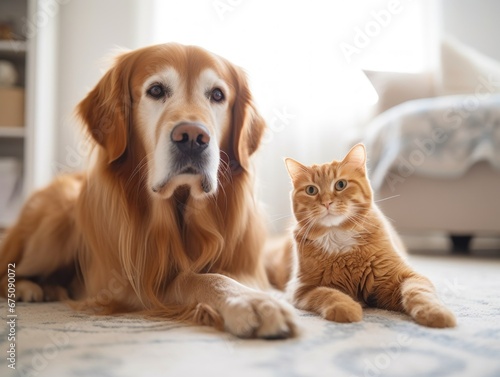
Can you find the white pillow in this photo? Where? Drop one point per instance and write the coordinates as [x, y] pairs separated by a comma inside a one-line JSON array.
[[464, 70], [394, 88]]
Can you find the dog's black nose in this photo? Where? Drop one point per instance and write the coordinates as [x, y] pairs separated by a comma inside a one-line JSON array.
[[190, 138]]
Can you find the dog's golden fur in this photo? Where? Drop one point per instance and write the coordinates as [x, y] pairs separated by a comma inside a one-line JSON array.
[[116, 245]]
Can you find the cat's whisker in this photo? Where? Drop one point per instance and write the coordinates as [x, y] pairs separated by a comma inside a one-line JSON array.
[[360, 220], [363, 220], [357, 223], [305, 233], [390, 219], [307, 226], [281, 217], [388, 198]]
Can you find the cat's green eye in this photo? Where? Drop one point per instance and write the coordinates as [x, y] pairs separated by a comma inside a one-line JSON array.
[[340, 184], [311, 190]]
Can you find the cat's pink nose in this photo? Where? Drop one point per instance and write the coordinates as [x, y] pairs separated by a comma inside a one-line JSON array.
[[327, 204]]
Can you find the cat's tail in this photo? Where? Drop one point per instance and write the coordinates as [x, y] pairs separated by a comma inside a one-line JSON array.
[[278, 260]]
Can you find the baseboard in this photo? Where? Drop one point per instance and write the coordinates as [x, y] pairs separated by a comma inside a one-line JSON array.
[[441, 242]]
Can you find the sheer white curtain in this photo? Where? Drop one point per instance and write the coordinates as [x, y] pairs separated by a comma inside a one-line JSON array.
[[304, 62]]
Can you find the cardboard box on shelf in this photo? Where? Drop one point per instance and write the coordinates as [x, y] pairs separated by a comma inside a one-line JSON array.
[[11, 107]]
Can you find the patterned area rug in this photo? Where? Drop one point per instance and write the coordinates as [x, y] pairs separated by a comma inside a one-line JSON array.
[[52, 340]]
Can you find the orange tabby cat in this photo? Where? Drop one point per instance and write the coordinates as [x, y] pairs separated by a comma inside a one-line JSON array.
[[347, 253]]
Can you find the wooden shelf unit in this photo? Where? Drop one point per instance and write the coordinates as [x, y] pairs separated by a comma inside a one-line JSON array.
[[34, 57]]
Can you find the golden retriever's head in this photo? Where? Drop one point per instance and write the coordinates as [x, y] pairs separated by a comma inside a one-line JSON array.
[[187, 111]]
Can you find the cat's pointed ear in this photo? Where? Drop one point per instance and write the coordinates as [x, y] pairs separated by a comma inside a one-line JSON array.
[[295, 168], [356, 157]]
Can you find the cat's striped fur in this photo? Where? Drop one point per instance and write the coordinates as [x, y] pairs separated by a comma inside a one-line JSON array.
[[347, 254]]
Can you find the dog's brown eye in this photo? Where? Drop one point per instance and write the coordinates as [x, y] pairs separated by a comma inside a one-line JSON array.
[[217, 95], [157, 91], [340, 184], [311, 190]]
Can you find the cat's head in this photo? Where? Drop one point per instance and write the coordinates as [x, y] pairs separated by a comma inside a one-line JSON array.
[[333, 194]]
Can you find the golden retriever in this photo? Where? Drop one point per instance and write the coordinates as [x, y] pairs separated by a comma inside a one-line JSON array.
[[165, 221]]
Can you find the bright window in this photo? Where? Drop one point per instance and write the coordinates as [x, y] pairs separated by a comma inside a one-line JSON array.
[[306, 55]]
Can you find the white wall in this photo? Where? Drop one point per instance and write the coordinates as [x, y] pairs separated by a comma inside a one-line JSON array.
[[475, 23], [89, 31]]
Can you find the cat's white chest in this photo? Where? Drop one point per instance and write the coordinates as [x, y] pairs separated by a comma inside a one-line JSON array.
[[337, 241]]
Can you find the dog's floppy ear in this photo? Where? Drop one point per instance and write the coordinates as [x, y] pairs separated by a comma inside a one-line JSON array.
[[247, 126], [106, 110]]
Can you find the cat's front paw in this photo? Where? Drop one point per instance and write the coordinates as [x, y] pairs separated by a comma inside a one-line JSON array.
[[435, 316], [344, 312]]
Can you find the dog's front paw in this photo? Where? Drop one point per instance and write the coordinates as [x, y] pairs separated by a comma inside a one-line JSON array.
[[55, 293], [258, 315], [28, 291]]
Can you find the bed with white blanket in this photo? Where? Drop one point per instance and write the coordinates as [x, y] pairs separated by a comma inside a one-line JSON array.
[[438, 159]]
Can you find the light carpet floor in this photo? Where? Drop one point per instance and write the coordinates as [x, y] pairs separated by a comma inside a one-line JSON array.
[[52, 340]]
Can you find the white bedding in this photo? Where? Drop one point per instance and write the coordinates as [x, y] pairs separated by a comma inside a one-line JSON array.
[[440, 136]]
